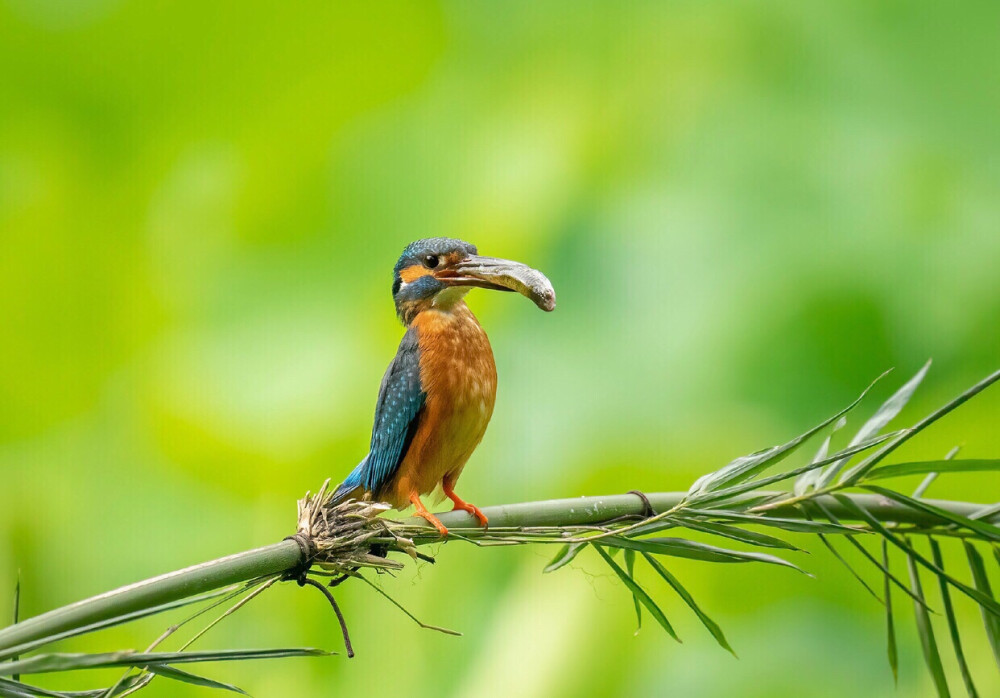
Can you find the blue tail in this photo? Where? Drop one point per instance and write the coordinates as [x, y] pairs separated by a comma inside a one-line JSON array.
[[350, 483]]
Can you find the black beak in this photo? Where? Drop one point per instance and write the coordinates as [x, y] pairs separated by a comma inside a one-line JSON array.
[[501, 275]]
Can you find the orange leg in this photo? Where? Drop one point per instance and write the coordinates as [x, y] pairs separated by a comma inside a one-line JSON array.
[[422, 512], [448, 485]]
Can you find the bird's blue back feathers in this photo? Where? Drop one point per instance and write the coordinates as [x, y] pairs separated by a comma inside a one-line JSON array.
[[401, 398]]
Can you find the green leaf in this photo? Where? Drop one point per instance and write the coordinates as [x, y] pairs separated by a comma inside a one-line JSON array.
[[795, 525], [565, 556], [985, 602], [694, 550], [848, 566], [842, 559], [738, 534], [10, 689], [640, 593], [949, 614], [751, 485], [709, 624], [186, 677], [890, 626], [982, 582], [46, 663], [924, 485], [630, 568], [748, 466], [926, 632], [18, 688], [966, 465], [17, 598], [17, 611], [987, 512], [861, 469], [871, 558], [883, 415], [929, 479], [984, 529], [749, 501], [111, 622], [64, 662], [809, 478]]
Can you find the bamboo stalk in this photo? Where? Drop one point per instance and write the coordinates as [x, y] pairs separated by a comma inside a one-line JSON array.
[[582, 511], [191, 581], [285, 556]]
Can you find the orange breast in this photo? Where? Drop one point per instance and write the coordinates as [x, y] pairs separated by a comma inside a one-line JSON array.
[[459, 376]]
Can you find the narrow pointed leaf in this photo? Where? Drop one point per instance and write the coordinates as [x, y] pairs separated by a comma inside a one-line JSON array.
[[982, 582], [871, 558], [695, 550], [756, 484], [949, 614], [987, 512], [926, 632], [809, 478], [18, 688], [924, 485], [985, 602], [17, 612], [890, 625], [861, 469], [709, 624], [565, 556], [965, 465], [739, 534], [795, 525], [849, 567], [17, 598], [10, 690], [46, 663], [933, 475], [186, 677], [986, 530], [747, 466], [26, 646], [630, 568], [639, 593], [883, 415]]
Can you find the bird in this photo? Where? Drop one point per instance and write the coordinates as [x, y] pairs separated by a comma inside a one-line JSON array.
[[437, 395]]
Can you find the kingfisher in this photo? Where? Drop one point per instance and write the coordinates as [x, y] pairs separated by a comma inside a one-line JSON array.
[[437, 395]]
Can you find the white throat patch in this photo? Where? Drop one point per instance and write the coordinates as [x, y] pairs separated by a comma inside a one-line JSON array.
[[446, 299]]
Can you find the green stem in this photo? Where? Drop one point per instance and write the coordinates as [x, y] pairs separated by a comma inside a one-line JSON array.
[[584, 511], [191, 581], [286, 555]]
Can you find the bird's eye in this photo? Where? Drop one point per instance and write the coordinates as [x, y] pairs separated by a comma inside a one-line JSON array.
[[431, 261]]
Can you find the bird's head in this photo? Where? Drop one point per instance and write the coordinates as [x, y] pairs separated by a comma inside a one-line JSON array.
[[438, 272]]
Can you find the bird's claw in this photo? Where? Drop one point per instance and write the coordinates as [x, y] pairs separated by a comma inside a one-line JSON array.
[[475, 511], [435, 522]]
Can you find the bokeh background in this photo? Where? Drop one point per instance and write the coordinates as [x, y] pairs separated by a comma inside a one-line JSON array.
[[748, 209]]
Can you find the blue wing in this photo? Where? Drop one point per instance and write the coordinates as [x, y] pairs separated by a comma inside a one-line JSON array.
[[400, 400]]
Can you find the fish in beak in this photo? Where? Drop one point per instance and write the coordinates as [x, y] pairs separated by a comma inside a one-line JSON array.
[[501, 275]]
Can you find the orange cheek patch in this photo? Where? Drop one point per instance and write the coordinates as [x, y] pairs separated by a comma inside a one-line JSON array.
[[414, 272]]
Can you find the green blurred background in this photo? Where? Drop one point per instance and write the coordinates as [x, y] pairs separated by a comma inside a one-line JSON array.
[[748, 210]]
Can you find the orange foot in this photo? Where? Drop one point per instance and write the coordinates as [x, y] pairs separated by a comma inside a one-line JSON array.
[[422, 512], [463, 505]]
